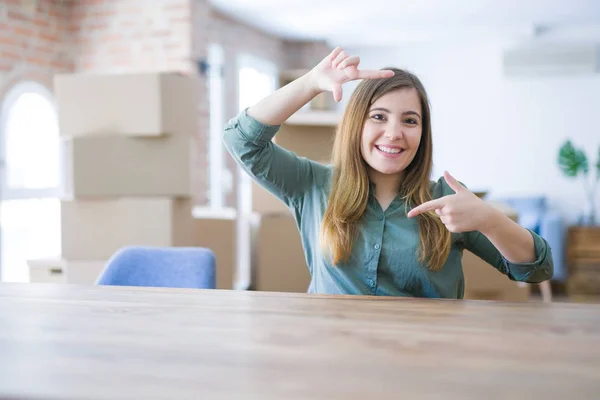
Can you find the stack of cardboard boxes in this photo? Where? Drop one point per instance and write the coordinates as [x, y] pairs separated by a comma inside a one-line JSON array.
[[129, 148], [279, 263]]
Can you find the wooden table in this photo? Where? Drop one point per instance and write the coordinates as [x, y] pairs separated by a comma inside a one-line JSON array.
[[73, 342]]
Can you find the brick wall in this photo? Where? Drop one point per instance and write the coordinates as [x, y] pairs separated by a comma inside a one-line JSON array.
[[41, 37], [131, 35], [33, 41]]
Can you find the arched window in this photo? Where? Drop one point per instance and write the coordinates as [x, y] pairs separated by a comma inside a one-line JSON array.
[[30, 179]]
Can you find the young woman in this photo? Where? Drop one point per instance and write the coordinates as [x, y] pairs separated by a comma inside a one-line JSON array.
[[373, 222]]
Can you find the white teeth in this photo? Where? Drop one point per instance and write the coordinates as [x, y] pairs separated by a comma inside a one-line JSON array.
[[389, 150]]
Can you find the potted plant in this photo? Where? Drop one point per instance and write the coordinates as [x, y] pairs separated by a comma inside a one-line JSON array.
[[573, 162]]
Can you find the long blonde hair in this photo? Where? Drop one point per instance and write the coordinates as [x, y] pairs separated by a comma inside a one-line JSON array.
[[350, 184]]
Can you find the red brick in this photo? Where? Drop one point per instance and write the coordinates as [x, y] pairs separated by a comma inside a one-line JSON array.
[[41, 23], [36, 61], [6, 54], [49, 37], [20, 31], [6, 66], [95, 26], [43, 50], [14, 16], [10, 41], [55, 13]]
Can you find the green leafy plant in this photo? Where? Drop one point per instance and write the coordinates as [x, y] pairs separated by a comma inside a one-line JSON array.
[[571, 160], [574, 162]]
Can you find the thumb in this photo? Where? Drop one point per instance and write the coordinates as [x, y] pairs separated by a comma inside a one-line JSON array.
[[453, 183], [337, 92]]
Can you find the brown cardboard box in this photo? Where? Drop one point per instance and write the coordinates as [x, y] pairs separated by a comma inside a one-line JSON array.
[[311, 141], [216, 231], [484, 282], [279, 263], [113, 165], [147, 104], [264, 202], [314, 142], [96, 229]]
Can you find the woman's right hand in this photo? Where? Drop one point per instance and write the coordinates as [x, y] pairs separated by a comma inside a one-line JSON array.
[[338, 68]]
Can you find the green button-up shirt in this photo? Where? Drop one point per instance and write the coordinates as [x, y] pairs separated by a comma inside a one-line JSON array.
[[384, 259]]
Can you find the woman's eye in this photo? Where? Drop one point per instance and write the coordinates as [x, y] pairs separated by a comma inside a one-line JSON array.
[[378, 117], [410, 121]]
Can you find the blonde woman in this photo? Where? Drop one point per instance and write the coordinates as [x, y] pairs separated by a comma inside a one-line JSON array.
[[373, 222]]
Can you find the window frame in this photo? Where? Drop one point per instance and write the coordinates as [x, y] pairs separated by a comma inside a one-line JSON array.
[[8, 193], [216, 154], [244, 181], [13, 94]]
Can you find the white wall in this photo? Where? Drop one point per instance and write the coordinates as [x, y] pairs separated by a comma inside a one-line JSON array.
[[497, 133]]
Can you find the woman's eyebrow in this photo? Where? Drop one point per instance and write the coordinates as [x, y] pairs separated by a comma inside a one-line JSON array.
[[380, 109], [411, 113], [389, 112]]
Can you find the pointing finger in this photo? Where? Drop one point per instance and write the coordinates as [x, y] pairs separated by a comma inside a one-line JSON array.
[[428, 206]]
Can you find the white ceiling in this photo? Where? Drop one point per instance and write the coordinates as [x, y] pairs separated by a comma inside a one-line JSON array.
[[388, 22]]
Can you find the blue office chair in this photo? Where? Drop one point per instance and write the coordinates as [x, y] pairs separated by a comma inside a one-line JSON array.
[[174, 267]]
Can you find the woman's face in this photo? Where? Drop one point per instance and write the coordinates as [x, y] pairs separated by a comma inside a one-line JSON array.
[[392, 132]]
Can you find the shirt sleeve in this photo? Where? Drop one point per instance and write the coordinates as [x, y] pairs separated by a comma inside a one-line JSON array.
[[477, 243], [534, 272], [280, 171]]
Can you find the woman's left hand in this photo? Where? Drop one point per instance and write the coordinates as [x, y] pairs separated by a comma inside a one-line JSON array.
[[460, 212]]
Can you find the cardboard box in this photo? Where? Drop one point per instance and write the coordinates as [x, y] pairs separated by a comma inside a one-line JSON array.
[[216, 230], [314, 142], [147, 104], [57, 270], [265, 202], [113, 165], [484, 282], [96, 229], [280, 264]]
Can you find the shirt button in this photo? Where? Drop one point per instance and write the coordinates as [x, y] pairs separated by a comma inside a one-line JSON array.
[[377, 247], [381, 218]]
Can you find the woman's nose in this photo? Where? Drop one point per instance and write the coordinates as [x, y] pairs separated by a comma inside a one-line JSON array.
[[394, 132]]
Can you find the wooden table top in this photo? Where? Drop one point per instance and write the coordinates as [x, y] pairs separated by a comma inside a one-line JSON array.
[[73, 342]]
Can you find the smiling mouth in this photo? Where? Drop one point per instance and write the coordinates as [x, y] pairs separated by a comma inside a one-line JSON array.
[[393, 151]]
